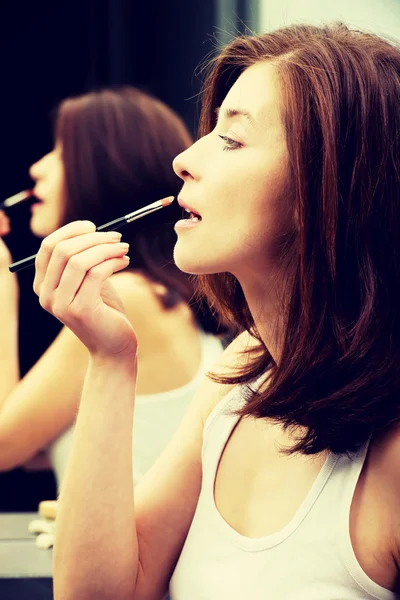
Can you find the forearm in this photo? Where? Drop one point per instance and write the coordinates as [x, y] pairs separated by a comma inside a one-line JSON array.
[[96, 551], [9, 360]]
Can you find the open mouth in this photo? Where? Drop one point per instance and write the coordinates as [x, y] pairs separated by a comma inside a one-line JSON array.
[[36, 199], [190, 215], [36, 202]]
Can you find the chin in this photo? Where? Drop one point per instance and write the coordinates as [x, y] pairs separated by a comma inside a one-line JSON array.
[[39, 229], [192, 265]]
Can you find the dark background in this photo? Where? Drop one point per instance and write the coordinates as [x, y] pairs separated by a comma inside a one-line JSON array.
[[51, 49]]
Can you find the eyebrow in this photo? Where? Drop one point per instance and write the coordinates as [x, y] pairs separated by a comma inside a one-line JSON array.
[[230, 113]]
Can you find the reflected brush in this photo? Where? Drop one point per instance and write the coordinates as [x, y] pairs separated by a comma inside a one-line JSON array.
[[110, 226], [16, 199]]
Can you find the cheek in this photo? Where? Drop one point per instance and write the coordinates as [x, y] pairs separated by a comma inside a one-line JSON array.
[[269, 216], [59, 195]]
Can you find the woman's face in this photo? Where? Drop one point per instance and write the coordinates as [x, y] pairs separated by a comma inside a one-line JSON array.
[[237, 179], [49, 176]]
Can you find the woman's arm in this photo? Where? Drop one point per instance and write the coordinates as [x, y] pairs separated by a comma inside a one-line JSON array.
[[96, 546], [43, 403], [35, 410], [9, 362], [110, 544], [114, 542]]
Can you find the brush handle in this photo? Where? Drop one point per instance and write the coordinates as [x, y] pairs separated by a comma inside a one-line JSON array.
[[122, 221], [111, 226], [22, 264]]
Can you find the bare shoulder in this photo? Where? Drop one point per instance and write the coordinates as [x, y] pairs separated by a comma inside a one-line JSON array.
[[385, 460], [140, 300], [133, 288]]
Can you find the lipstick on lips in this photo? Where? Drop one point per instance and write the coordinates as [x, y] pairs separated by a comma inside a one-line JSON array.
[[16, 199]]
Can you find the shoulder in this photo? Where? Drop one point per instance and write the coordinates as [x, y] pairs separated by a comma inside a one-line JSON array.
[[132, 287], [384, 456], [139, 297]]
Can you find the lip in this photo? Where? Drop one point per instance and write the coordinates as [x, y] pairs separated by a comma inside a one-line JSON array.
[[186, 224], [37, 201], [183, 204]]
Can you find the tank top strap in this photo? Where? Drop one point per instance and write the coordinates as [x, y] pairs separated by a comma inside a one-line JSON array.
[[217, 429]]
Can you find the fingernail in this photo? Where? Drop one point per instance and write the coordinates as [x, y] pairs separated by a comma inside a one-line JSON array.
[[123, 245], [126, 258], [89, 224], [115, 237]]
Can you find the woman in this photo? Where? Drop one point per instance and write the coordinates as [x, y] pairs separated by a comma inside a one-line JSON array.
[[282, 480], [112, 154]]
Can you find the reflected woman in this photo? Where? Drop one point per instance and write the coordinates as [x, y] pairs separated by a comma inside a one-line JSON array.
[[112, 154]]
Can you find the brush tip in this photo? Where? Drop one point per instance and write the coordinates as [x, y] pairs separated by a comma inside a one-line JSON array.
[[167, 201]]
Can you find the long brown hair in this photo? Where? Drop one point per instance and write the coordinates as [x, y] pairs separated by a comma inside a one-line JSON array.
[[118, 146], [338, 377]]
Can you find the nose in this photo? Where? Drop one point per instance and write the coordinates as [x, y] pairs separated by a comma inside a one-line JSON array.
[[181, 163], [36, 171]]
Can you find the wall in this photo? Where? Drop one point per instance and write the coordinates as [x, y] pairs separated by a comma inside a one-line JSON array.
[[379, 16]]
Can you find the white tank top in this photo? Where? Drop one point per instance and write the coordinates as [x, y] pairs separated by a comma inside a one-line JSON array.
[[156, 418], [311, 558]]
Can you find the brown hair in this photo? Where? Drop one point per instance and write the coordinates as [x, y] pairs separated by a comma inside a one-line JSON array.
[[338, 376], [118, 146]]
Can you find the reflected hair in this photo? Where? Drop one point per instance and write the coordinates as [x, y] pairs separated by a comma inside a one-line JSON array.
[[118, 146], [337, 379]]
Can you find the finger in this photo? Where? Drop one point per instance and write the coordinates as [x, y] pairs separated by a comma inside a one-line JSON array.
[[62, 252], [76, 228], [93, 284], [75, 272], [4, 224], [65, 250]]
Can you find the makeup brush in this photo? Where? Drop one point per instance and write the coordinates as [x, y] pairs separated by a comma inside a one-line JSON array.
[[16, 199], [110, 226]]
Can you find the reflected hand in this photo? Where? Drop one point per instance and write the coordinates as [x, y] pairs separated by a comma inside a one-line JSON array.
[[5, 255], [72, 269]]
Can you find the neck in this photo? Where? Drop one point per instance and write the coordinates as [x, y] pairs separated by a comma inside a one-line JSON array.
[[262, 297]]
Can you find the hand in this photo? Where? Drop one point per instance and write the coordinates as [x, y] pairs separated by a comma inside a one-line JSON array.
[[5, 255], [38, 462], [72, 268]]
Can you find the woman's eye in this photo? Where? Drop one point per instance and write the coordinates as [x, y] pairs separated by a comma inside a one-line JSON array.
[[229, 143]]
